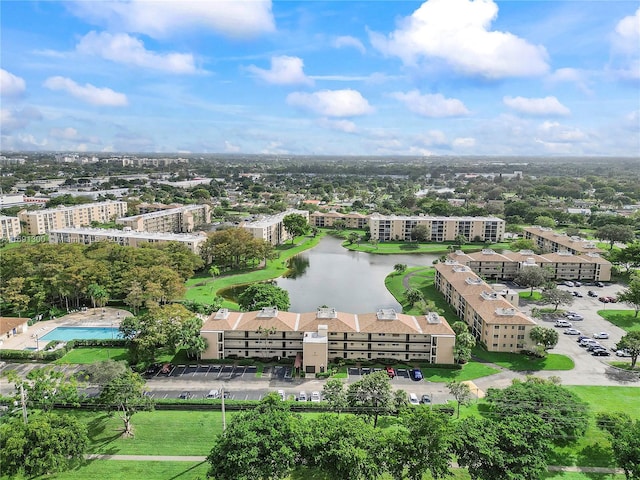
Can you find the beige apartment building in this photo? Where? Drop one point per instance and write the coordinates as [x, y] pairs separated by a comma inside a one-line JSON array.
[[562, 265], [316, 338], [442, 229], [9, 228], [127, 238], [493, 320], [549, 241], [270, 228], [38, 222], [327, 219], [183, 219]]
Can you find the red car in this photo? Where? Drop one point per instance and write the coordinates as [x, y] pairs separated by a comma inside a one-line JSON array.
[[391, 372], [604, 299]]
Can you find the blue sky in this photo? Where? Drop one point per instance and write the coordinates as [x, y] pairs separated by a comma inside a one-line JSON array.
[[440, 77]]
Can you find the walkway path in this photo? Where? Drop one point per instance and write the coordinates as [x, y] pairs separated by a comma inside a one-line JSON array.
[[176, 458]]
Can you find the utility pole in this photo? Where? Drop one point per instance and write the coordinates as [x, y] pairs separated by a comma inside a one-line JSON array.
[[23, 401]]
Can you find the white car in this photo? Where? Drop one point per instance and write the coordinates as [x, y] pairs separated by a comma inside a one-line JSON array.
[[601, 335], [571, 331], [622, 353], [316, 397], [570, 313], [302, 397], [413, 399], [575, 317], [563, 324], [283, 396]]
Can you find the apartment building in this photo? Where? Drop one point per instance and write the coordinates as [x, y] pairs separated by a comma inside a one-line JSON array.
[[270, 228], [39, 222], [327, 219], [442, 229], [562, 265], [9, 227], [144, 207], [549, 241], [183, 219], [492, 319], [316, 338], [127, 238]]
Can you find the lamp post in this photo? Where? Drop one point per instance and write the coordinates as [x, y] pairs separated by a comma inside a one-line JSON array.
[[37, 343], [224, 416]]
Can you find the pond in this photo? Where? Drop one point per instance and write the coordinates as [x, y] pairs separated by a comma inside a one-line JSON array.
[[347, 281]]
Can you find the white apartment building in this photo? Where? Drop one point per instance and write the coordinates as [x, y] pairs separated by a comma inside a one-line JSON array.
[[182, 219], [42, 221], [9, 227], [549, 241], [385, 228], [270, 228], [126, 238], [315, 338]]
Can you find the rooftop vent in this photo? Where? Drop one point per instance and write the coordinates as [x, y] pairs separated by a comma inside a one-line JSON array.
[[222, 314], [473, 281], [448, 261], [488, 251], [506, 312], [387, 314], [324, 312], [565, 253], [268, 312], [461, 269], [526, 252], [489, 295], [433, 318]]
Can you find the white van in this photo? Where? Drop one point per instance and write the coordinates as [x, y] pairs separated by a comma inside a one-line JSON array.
[[413, 399], [213, 394]]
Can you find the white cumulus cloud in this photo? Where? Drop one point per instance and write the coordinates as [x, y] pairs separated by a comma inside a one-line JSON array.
[[346, 126], [128, 50], [347, 41], [464, 142], [458, 33], [554, 132], [331, 103], [547, 106], [431, 105], [18, 119], [87, 92], [434, 138], [626, 41], [284, 71], [11, 86], [235, 18]]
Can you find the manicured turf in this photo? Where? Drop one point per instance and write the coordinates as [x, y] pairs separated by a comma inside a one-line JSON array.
[[469, 371], [87, 355], [131, 470], [610, 399], [523, 363], [526, 295], [624, 319], [407, 247]]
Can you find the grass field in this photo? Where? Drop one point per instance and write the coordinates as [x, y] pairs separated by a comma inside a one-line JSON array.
[[526, 295], [406, 247], [470, 371], [87, 355], [624, 319], [524, 363]]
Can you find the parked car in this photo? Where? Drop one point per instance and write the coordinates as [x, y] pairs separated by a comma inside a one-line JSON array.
[[413, 399], [391, 372], [576, 293], [587, 342], [283, 396], [622, 353], [426, 398], [591, 293], [562, 323], [572, 331], [213, 394], [603, 299], [601, 335], [595, 346], [577, 284], [416, 374], [600, 353], [612, 299], [576, 317], [166, 368], [570, 312], [567, 283], [302, 397], [316, 397], [185, 395], [599, 284], [582, 337]]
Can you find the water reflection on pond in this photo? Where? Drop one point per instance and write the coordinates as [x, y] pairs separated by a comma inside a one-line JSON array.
[[348, 281]]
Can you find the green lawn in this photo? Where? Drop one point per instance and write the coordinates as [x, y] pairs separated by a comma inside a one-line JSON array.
[[523, 363], [407, 247], [130, 470], [526, 295], [469, 371], [87, 355], [610, 399], [624, 319]]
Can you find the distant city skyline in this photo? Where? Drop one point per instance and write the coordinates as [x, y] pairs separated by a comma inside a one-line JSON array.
[[439, 77]]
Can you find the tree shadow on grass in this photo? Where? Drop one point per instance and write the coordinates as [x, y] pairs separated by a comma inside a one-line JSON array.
[[595, 455], [410, 246], [192, 467]]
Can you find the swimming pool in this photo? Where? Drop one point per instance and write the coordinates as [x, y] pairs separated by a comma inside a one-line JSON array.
[[81, 333]]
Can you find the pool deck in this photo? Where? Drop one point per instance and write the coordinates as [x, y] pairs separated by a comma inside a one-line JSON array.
[[92, 317]]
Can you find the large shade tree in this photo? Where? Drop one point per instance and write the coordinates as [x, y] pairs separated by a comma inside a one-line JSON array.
[[125, 395], [371, 396], [261, 295], [625, 441], [631, 294]]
